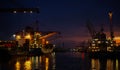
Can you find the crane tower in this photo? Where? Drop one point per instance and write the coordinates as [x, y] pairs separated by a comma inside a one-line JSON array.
[[111, 26]]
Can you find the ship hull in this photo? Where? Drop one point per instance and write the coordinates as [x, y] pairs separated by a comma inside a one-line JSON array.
[[42, 50]]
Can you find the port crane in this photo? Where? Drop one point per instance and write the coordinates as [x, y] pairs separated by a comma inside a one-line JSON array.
[[91, 29], [18, 9]]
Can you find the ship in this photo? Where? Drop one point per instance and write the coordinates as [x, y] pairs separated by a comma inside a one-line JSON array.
[[101, 45], [35, 42]]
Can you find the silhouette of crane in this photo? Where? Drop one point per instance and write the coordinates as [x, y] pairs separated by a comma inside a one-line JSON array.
[[20, 9], [91, 29]]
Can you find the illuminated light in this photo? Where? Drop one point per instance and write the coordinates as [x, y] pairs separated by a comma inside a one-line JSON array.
[[47, 42], [47, 63], [54, 45], [92, 50], [96, 39], [14, 11], [117, 65], [17, 65], [47, 60], [109, 64], [109, 38], [43, 41], [117, 45], [110, 15], [83, 55], [38, 34], [109, 49], [97, 47], [99, 42], [93, 44], [117, 40], [18, 37], [28, 36], [27, 65], [111, 44], [14, 35], [89, 47], [111, 41], [34, 61], [106, 41], [40, 59], [93, 41], [24, 11], [31, 11], [95, 64]]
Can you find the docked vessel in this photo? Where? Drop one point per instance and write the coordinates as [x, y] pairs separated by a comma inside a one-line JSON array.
[[34, 41], [100, 42], [101, 45], [30, 40]]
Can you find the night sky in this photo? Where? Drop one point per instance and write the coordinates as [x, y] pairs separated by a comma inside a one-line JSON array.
[[66, 16]]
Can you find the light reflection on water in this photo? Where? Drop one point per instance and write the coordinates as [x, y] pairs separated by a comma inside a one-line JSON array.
[[44, 62], [61, 61], [105, 64]]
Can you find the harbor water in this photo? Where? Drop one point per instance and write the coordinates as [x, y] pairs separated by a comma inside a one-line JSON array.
[[60, 61]]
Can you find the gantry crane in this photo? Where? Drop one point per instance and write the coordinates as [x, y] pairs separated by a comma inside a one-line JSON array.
[[111, 26], [20, 8]]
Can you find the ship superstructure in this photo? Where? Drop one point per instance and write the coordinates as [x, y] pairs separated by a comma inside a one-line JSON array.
[[31, 39], [100, 42]]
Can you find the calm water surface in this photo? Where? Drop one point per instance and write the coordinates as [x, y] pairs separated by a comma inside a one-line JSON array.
[[60, 61]]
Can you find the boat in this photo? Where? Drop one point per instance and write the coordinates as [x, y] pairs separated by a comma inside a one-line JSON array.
[[100, 45], [34, 42]]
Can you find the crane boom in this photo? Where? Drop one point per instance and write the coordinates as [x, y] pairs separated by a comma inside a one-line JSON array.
[[19, 10], [91, 29], [49, 35]]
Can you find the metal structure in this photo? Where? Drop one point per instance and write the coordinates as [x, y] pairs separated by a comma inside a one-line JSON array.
[[111, 26], [19, 10], [99, 42], [91, 29]]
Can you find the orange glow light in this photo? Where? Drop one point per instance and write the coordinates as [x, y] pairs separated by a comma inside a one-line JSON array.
[[117, 39], [28, 36], [18, 37]]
